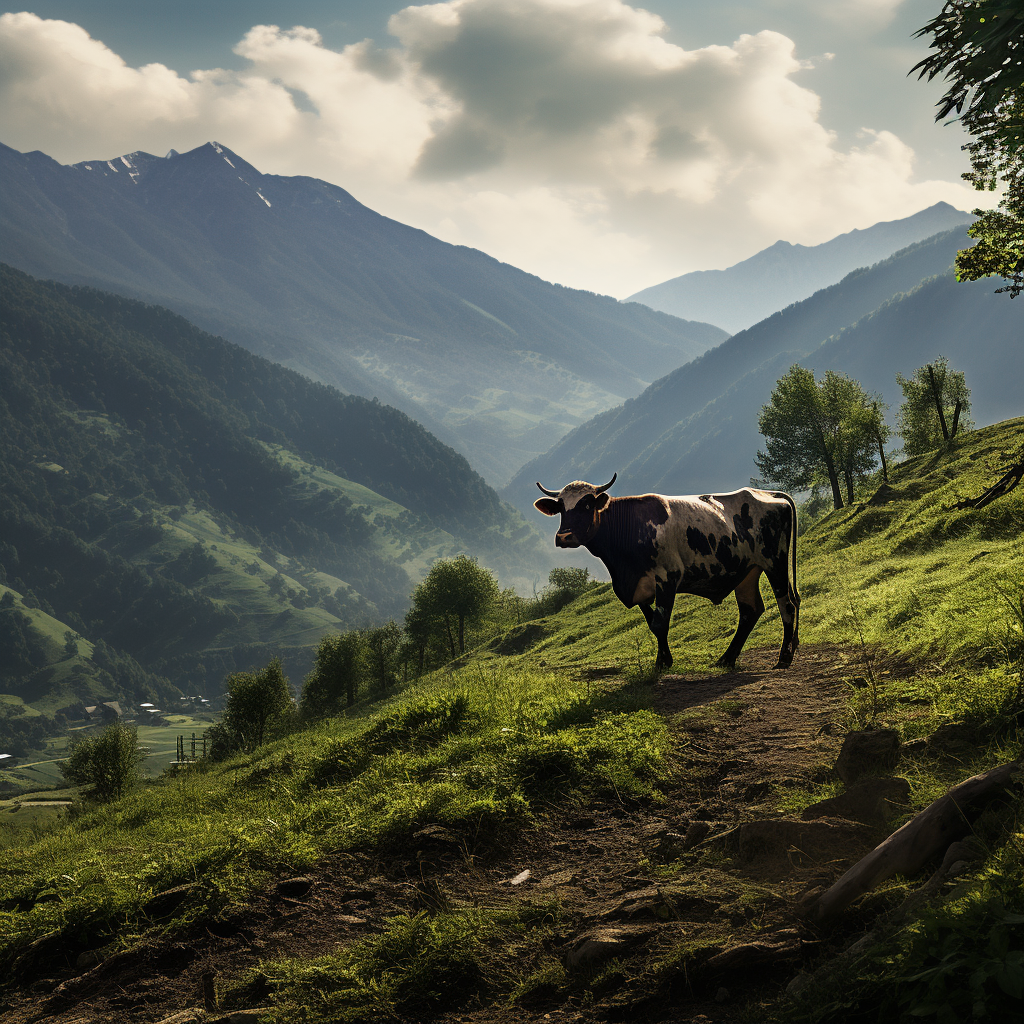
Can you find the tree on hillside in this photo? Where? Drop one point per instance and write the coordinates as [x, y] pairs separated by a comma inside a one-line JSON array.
[[455, 592], [255, 701], [334, 680], [569, 580], [978, 48], [936, 401], [108, 764], [819, 434], [381, 645]]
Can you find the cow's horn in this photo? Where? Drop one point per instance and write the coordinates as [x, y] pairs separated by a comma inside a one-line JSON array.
[[601, 490], [550, 494]]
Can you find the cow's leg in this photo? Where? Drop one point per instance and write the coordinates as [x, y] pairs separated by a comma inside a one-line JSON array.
[[789, 609], [748, 597], [658, 614]]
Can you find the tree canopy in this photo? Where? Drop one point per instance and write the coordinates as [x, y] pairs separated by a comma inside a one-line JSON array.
[[255, 700], [455, 591], [820, 434], [936, 401], [978, 48]]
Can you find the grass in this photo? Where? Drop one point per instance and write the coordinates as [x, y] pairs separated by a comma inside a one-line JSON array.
[[477, 756]]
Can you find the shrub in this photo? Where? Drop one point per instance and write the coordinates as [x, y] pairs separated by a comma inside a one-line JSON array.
[[108, 764]]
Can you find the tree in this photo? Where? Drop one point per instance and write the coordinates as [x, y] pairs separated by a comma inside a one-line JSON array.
[[334, 681], [456, 590], [107, 764], [255, 701], [936, 401], [569, 580], [381, 644], [978, 47], [817, 433]]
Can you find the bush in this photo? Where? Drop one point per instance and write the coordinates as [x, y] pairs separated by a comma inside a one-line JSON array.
[[107, 764]]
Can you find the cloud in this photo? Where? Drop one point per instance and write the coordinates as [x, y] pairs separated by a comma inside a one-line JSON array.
[[564, 136]]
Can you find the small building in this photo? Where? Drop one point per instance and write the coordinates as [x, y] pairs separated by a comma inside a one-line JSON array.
[[108, 711]]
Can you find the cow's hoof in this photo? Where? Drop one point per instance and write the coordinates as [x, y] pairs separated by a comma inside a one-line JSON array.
[[784, 662], [724, 662]]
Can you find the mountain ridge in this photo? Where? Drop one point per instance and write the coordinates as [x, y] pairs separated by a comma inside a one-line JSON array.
[[298, 270], [749, 291]]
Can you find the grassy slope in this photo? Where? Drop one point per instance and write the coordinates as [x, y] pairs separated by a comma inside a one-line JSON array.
[[507, 738]]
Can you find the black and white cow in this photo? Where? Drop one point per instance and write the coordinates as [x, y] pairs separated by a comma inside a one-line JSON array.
[[713, 544]]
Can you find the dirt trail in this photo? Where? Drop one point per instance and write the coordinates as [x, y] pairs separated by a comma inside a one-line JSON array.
[[632, 882]]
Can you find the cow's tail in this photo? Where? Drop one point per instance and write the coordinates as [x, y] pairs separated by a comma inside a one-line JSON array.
[[792, 505]]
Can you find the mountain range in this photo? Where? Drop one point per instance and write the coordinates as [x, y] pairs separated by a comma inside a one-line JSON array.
[[695, 430], [494, 361], [776, 277]]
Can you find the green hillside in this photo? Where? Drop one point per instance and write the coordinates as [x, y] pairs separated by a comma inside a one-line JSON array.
[[196, 508], [543, 828]]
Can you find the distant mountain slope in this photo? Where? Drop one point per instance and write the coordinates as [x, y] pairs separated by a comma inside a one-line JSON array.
[[494, 360], [196, 506], [743, 294], [696, 429]]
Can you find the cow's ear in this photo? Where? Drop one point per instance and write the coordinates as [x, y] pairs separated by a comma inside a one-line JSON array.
[[602, 500], [549, 506]]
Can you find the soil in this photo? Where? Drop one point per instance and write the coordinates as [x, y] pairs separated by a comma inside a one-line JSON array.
[[717, 866]]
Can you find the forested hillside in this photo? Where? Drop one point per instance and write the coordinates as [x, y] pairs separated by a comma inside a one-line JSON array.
[[696, 429], [193, 506], [494, 360]]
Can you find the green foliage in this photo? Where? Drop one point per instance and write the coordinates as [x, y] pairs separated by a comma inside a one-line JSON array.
[[106, 766], [978, 47], [334, 681], [256, 701], [456, 592], [818, 434], [569, 579], [936, 403], [381, 644]]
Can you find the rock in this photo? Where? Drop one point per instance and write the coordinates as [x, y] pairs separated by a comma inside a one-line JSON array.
[[695, 834], [914, 746], [562, 877], [825, 839], [867, 753], [954, 739], [89, 959], [163, 904], [599, 945], [295, 888], [869, 800], [722, 995], [799, 983]]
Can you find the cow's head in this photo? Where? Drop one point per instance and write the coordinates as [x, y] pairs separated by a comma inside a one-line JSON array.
[[579, 505]]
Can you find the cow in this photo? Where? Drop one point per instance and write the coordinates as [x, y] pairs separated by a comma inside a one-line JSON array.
[[656, 546]]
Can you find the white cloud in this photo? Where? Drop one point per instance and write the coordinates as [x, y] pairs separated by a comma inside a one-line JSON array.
[[565, 136]]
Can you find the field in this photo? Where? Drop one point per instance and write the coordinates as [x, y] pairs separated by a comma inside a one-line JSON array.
[[548, 830]]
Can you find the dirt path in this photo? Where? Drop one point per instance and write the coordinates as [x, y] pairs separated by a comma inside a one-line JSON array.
[[717, 867]]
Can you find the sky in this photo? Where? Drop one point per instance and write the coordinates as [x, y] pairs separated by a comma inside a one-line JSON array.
[[597, 144]]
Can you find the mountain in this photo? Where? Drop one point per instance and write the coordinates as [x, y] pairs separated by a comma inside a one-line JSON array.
[[494, 361], [196, 508], [695, 430], [742, 295]]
